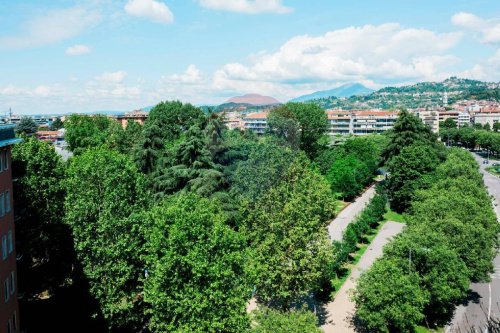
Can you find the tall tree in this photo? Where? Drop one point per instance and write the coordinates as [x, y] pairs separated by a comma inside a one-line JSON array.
[[287, 230], [42, 238], [26, 126], [84, 132], [313, 125], [196, 278], [283, 123], [56, 124], [407, 130], [269, 320], [105, 195]]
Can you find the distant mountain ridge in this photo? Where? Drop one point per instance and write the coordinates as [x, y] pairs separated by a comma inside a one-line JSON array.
[[253, 99], [422, 94], [345, 90]]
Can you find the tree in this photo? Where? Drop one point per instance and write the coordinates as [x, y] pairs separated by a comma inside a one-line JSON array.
[[56, 124], [42, 239], [286, 229], [189, 166], [26, 126], [407, 130], [167, 121], [348, 176], [283, 123], [83, 132], [389, 298], [196, 279], [449, 123], [407, 174], [269, 320], [487, 127], [105, 197], [124, 139], [313, 125], [496, 127], [266, 164]]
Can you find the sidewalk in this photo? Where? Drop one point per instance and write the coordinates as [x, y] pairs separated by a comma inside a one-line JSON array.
[[341, 309]]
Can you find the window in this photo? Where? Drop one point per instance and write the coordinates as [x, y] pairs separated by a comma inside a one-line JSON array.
[[4, 247], [7, 202], [14, 321], [12, 282], [9, 242], [6, 293], [6, 160], [2, 205]]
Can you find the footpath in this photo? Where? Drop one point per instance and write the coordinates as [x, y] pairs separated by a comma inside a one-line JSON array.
[[341, 310]]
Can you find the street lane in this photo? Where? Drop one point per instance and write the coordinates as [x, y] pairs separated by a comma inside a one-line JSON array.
[[485, 302]]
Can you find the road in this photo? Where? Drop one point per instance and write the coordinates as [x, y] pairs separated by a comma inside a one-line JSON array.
[[347, 215], [341, 309], [485, 303]]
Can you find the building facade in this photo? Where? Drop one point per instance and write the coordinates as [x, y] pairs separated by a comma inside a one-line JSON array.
[[487, 117], [360, 122], [9, 309], [256, 122], [430, 118]]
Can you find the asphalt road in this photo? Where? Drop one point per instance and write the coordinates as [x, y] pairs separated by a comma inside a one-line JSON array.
[[485, 303], [348, 214], [341, 309]]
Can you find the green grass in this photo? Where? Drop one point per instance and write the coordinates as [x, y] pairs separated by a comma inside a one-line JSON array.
[[356, 256], [493, 171], [393, 216], [339, 205], [423, 329]]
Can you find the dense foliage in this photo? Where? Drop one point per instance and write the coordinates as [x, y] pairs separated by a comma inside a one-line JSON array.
[[26, 126]]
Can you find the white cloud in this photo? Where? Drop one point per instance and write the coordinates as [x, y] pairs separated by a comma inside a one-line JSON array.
[[488, 30], [112, 77], [156, 11], [487, 70], [53, 27], [248, 6], [192, 75], [383, 53], [77, 50]]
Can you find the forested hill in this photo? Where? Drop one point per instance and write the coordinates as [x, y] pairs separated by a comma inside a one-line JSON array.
[[422, 94]]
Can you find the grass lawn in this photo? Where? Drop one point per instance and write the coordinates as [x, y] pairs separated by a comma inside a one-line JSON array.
[[339, 205], [393, 216], [422, 329], [356, 256], [493, 171]]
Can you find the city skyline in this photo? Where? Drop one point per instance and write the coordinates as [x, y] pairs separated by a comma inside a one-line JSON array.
[[82, 56]]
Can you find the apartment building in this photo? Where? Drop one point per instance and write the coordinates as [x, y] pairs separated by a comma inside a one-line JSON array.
[[461, 118], [430, 118], [360, 122], [9, 309], [256, 122], [488, 116]]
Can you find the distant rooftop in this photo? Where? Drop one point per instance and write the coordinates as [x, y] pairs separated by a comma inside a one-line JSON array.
[[7, 135]]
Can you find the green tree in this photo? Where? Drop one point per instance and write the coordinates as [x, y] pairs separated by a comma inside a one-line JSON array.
[[56, 124], [407, 130], [348, 176], [267, 320], [167, 121], [196, 268], [448, 123], [283, 123], [105, 196], [286, 229], [496, 127], [42, 238], [83, 132], [313, 125], [389, 297], [26, 126], [407, 174], [124, 139]]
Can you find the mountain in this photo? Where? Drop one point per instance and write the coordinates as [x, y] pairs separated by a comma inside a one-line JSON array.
[[253, 99], [422, 94], [346, 90]]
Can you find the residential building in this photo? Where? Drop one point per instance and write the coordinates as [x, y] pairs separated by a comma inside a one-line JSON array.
[[233, 120], [430, 118], [464, 119], [138, 116], [489, 116], [9, 309], [256, 122], [360, 122]]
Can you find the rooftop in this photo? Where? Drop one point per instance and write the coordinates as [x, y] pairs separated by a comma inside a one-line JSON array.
[[7, 135]]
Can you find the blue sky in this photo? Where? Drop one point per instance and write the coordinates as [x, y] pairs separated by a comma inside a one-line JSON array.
[[60, 56]]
